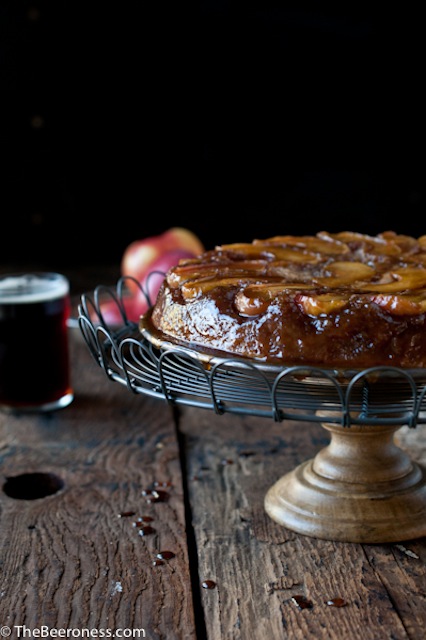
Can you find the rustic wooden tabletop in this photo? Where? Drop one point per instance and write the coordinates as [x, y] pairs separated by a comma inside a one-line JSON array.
[[121, 515]]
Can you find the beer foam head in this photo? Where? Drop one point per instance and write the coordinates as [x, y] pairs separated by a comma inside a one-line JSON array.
[[32, 287]]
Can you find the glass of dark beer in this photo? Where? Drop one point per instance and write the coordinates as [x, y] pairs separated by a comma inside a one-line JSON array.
[[34, 350]]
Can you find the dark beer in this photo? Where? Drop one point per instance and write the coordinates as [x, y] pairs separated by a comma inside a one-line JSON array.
[[34, 352]]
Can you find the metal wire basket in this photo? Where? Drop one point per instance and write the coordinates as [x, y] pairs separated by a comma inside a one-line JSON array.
[[178, 375]]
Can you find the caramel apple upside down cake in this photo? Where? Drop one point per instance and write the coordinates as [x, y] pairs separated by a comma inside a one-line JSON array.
[[345, 300]]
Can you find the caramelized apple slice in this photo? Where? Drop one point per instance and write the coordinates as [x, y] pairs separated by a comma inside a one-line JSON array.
[[284, 254], [245, 249], [404, 243], [344, 273], [405, 279], [259, 249], [401, 305], [376, 244], [194, 288], [181, 274], [195, 271], [417, 258], [256, 298], [312, 244], [321, 303]]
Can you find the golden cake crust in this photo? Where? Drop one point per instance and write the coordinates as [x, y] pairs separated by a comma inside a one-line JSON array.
[[333, 299]]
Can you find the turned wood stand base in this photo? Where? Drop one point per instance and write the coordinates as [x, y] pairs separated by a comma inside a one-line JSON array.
[[360, 488]]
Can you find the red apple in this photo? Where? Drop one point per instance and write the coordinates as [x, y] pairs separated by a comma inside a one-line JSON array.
[[147, 261], [134, 307], [140, 255]]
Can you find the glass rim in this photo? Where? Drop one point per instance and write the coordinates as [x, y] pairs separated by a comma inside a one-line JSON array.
[[32, 286]]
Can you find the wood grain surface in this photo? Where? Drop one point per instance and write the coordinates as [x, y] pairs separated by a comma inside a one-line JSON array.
[[261, 568], [75, 559]]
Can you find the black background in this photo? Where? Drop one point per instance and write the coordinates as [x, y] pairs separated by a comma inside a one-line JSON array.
[[234, 119]]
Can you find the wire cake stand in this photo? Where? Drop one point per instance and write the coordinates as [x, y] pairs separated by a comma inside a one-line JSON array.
[[362, 487]]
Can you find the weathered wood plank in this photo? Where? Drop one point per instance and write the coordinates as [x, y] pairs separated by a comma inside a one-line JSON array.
[[259, 566], [70, 560]]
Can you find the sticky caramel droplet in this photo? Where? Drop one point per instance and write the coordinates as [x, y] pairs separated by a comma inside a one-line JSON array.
[[141, 520], [336, 602], [301, 602], [155, 495], [160, 496], [208, 584], [146, 530], [165, 555]]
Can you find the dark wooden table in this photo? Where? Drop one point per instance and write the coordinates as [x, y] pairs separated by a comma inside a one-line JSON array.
[[86, 557]]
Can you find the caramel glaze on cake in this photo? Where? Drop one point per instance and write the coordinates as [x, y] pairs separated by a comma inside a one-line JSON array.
[[345, 300]]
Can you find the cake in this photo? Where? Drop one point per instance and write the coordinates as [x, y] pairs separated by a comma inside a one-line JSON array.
[[345, 300]]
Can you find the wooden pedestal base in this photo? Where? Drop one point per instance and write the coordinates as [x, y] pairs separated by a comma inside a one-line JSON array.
[[360, 488]]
